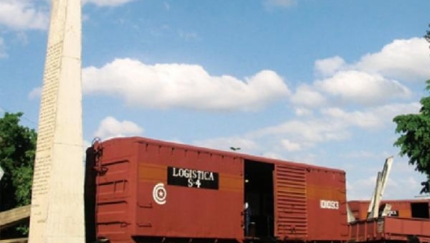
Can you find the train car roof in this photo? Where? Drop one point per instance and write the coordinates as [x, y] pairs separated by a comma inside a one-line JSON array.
[[256, 158]]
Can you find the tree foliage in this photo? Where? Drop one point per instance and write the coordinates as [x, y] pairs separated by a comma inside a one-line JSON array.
[[17, 152], [414, 140], [427, 36]]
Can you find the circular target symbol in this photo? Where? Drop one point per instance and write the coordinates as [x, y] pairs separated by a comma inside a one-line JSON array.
[[159, 193]]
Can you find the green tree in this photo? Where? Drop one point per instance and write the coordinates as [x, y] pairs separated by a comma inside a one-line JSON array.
[[414, 140], [17, 152]]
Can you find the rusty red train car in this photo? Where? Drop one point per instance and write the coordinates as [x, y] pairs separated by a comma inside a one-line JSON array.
[[145, 190], [407, 208], [390, 229]]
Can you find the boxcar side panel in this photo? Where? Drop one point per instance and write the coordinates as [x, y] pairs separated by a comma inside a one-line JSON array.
[[116, 186], [390, 229], [327, 204], [186, 193], [152, 191], [399, 208], [310, 203], [290, 202]]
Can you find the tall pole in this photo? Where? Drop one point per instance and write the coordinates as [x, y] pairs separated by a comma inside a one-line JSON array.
[[57, 208]]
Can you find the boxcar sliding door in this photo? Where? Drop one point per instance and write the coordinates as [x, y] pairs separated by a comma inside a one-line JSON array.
[[290, 202]]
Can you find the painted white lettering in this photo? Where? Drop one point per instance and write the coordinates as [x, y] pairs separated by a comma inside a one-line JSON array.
[[175, 173], [193, 174], [327, 204], [190, 182]]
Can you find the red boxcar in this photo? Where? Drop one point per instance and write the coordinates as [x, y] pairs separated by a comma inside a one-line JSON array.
[[154, 191], [409, 208], [390, 229]]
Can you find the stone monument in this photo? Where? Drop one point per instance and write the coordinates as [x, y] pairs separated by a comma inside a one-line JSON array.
[[57, 208]]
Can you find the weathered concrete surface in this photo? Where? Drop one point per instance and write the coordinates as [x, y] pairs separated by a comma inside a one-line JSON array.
[[57, 212]]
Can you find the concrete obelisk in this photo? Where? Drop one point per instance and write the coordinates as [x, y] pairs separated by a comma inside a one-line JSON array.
[[57, 211]]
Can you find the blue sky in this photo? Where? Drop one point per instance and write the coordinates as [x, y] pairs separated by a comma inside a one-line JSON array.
[[315, 81]]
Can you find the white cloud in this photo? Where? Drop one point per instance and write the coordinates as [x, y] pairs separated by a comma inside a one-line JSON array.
[[362, 88], [107, 3], [302, 111], [331, 124], [308, 96], [401, 59], [182, 85], [290, 146], [372, 81], [329, 66], [371, 118], [22, 15], [357, 118], [305, 134], [111, 127], [30, 15]]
